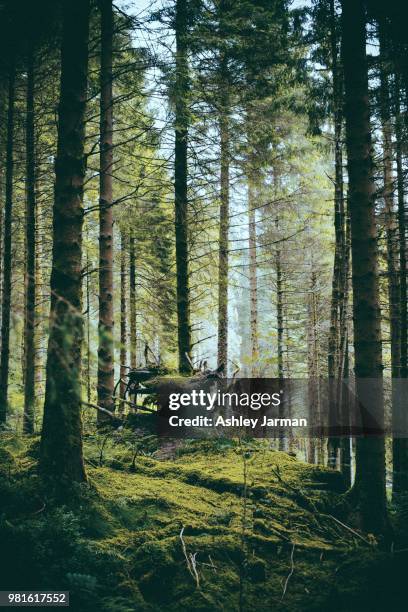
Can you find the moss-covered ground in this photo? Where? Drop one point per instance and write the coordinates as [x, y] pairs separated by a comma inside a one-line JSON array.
[[224, 525]]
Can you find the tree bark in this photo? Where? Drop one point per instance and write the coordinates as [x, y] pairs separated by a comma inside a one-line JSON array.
[[180, 189], [402, 237], [61, 457], [314, 363], [123, 321], [339, 251], [224, 227], [370, 451], [345, 449], [132, 299], [400, 444], [390, 218], [343, 393], [313, 367], [253, 281], [106, 322], [41, 297], [279, 312], [30, 273], [280, 331], [6, 298], [88, 324]]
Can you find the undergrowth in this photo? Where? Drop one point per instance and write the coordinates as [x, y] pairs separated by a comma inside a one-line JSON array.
[[220, 525]]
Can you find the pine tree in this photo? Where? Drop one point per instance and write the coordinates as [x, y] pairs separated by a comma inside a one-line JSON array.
[[370, 450], [180, 187], [8, 208], [30, 289], [106, 321], [61, 441]]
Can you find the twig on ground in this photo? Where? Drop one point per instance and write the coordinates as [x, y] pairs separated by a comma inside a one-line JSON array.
[[190, 560], [292, 569], [348, 528], [41, 509]]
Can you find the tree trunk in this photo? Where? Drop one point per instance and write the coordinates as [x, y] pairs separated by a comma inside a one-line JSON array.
[[314, 396], [400, 444], [334, 332], [132, 299], [30, 276], [180, 189], [61, 455], [402, 237], [41, 299], [390, 221], [123, 322], [370, 451], [88, 324], [280, 330], [345, 449], [105, 328], [224, 228], [343, 394], [253, 281], [6, 301], [393, 274], [279, 312]]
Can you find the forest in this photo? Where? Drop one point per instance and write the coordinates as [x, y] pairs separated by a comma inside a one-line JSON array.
[[195, 191]]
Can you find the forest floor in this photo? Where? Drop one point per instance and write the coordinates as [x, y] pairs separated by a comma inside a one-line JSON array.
[[208, 525]]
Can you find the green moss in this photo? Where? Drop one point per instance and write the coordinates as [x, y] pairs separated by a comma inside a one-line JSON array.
[[117, 545]]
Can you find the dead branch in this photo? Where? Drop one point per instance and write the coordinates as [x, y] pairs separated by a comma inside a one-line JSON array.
[[104, 410], [190, 560], [292, 569], [348, 528], [189, 360]]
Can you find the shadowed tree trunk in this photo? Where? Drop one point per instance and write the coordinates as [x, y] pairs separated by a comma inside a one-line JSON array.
[[41, 292], [393, 274], [402, 235], [180, 189], [61, 455], [30, 275], [6, 298], [106, 321], [400, 445], [390, 217], [3, 101], [370, 451]]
